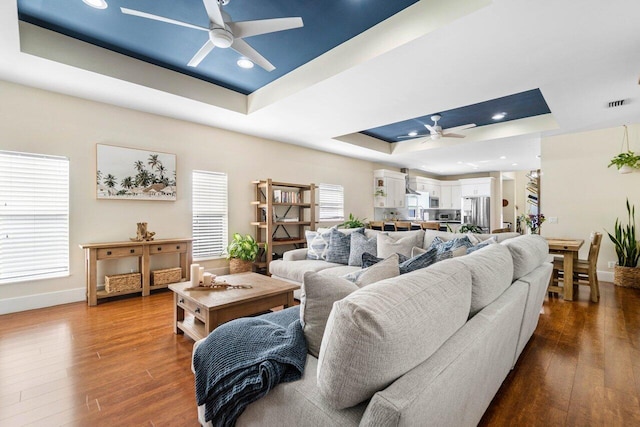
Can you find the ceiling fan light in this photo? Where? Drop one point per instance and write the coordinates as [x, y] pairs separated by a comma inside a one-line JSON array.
[[221, 38], [245, 63], [412, 133], [97, 4], [498, 116]]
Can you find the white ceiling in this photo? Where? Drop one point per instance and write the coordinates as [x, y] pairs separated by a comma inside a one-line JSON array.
[[581, 54]]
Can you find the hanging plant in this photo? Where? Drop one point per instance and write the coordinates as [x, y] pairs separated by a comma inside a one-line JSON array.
[[626, 161]]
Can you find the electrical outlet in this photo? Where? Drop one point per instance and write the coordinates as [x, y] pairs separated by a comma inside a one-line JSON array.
[[553, 220], [611, 264]]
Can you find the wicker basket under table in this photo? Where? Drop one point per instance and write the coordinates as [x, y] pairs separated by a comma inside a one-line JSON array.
[[166, 276], [122, 282]]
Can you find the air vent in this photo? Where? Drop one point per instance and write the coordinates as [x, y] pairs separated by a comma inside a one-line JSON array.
[[618, 103]]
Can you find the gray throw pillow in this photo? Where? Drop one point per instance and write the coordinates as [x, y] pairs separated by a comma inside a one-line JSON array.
[[388, 244], [339, 246], [489, 241], [457, 246], [319, 292], [317, 244], [369, 259], [384, 269], [359, 245], [419, 261]]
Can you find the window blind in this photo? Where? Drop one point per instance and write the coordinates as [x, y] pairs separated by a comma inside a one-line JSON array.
[[331, 202], [209, 214], [34, 216]]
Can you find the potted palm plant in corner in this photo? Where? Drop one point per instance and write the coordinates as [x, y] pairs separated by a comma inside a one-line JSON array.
[[241, 253], [626, 273]]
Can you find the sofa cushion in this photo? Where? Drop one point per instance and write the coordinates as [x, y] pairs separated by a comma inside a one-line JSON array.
[[421, 258], [359, 245], [381, 331], [319, 292], [340, 270], [317, 244], [444, 236], [294, 270], [340, 245], [491, 271], [528, 252], [388, 244], [387, 268]]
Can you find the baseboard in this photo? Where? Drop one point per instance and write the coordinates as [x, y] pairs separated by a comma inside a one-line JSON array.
[[605, 276], [31, 302]]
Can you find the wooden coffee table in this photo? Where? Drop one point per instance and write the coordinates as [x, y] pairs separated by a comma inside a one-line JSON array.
[[197, 313]]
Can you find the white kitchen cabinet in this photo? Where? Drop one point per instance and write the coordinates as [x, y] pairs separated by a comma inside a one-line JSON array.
[[392, 185], [476, 187], [450, 195], [456, 196]]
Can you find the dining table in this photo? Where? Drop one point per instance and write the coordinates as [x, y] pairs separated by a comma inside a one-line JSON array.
[[568, 248]]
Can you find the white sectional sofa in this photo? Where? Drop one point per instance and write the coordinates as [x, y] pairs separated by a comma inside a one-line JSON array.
[[294, 264], [426, 348]]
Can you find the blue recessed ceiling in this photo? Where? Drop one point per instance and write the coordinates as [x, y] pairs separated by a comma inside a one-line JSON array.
[[327, 24], [518, 106]]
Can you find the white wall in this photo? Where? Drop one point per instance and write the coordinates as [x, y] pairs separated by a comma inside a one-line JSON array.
[[37, 121], [579, 189]]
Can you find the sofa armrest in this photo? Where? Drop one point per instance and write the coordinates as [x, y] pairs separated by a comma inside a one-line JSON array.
[[295, 255]]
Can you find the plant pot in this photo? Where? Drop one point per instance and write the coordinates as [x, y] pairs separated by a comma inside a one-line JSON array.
[[627, 277], [625, 169], [237, 265]]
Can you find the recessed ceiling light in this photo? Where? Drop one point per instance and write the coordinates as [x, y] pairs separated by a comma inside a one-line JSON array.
[[413, 133], [98, 4], [514, 164], [503, 157], [245, 63], [459, 163], [498, 116]]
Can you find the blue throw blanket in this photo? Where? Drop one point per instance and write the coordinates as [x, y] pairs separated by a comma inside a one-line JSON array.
[[241, 360]]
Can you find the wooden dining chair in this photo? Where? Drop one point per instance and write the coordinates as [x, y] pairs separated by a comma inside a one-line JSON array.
[[403, 225], [430, 225], [376, 225], [584, 270], [501, 230]]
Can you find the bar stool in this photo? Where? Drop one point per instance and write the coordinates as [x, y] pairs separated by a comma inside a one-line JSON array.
[[430, 225], [376, 225], [403, 225]]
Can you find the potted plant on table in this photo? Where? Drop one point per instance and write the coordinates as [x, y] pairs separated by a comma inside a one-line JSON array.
[[352, 222], [241, 253], [626, 273]]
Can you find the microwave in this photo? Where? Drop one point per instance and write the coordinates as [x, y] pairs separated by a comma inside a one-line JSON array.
[[434, 202], [445, 217]]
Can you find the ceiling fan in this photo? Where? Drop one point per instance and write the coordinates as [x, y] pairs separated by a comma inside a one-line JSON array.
[[436, 132], [224, 33]]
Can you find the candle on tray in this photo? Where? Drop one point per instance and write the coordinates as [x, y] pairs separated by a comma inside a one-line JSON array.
[[195, 274], [201, 274], [207, 278]]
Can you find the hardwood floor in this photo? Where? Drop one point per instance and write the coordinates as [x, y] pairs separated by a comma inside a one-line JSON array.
[[119, 364]]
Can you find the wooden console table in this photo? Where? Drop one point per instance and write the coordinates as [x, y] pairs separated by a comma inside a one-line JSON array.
[[94, 252]]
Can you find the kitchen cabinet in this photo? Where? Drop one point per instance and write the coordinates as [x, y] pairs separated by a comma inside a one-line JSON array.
[[450, 195], [392, 186], [426, 185], [476, 187]]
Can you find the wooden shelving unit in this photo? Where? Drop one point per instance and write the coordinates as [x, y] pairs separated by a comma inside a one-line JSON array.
[[283, 211]]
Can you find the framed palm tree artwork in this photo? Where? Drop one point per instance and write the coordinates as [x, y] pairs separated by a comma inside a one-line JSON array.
[[133, 174]]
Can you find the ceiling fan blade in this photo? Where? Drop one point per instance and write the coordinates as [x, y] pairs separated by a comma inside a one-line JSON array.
[[243, 48], [201, 54], [160, 18], [213, 10], [452, 135], [414, 136], [263, 26], [457, 128], [431, 129]]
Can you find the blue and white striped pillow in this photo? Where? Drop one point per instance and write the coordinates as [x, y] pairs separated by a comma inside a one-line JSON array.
[[317, 244]]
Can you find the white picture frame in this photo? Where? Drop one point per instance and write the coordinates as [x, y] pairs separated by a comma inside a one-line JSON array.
[[134, 174]]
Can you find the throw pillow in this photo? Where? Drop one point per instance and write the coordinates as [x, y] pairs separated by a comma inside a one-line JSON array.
[[317, 243], [473, 238], [415, 251], [457, 246], [339, 246], [419, 261], [359, 245], [385, 269], [319, 292], [368, 259], [489, 241], [388, 245]]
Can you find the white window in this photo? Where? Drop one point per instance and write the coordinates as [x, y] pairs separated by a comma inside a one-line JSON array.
[[331, 202], [34, 216], [209, 214]]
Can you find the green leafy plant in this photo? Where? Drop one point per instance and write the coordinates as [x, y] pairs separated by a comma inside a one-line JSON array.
[[380, 193], [628, 158], [242, 247], [469, 228], [624, 239], [352, 222]]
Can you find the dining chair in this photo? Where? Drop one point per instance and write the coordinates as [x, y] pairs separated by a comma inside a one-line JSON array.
[[501, 230], [430, 225], [403, 225], [376, 225], [584, 270]]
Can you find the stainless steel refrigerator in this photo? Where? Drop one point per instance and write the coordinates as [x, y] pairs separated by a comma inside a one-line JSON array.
[[476, 211]]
